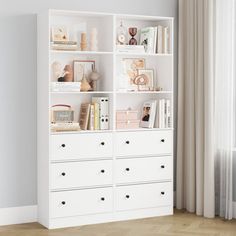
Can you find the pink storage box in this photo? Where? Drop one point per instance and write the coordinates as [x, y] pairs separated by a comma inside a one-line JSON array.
[[129, 124], [125, 115]]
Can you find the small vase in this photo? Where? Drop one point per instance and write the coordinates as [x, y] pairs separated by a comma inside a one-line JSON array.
[[84, 85]]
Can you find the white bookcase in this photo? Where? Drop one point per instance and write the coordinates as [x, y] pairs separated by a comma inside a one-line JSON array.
[[81, 181]]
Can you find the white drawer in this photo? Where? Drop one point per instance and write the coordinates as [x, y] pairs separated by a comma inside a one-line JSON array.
[[143, 169], [144, 196], [143, 143], [81, 174], [81, 146], [81, 202]]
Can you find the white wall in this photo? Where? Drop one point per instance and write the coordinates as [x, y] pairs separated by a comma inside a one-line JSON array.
[[18, 85]]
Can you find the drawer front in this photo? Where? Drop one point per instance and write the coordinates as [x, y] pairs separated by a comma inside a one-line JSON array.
[[143, 169], [143, 143], [144, 196], [81, 174], [81, 146], [81, 202]]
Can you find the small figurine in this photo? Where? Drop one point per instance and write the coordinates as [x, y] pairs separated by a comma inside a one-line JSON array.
[[66, 75], [83, 43], [93, 39], [94, 77]]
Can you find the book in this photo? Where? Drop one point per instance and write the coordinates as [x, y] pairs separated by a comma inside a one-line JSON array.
[[148, 114], [64, 42], [96, 116], [147, 39], [67, 47], [159, 38], [65, 86], [161, 113], [155, 40], [91, 117], [130, 48], [165, 40], [168, 114], [84, 115]]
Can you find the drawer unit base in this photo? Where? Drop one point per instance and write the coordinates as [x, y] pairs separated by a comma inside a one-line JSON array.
[[109, 217]]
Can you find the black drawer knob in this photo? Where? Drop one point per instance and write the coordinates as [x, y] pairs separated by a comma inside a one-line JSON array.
[[102, 143], [162, 193], [162, 140], [162, 166], [127, 169], [102, 198], [63, 203], [127, 196], [102, 171], [127, 142], [63, 145], [63, 173]]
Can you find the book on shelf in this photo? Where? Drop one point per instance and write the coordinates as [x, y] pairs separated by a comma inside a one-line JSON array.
[[65, 86], [164, 113], [130, 48], [91, 118], [84, 115], [165, 40], [159, 38], [96, 116], [64, 45]]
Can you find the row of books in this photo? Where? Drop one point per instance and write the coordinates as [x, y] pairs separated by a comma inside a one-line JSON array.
[[95, 115], [155, 39], [164, 113]]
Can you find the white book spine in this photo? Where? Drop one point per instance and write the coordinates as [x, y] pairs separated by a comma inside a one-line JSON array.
[[159, 38], [155, 40], [168, 108], [166, 40], [91, 118]]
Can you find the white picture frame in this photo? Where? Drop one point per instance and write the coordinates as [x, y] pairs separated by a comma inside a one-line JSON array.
[[148, 114], [82, 67]]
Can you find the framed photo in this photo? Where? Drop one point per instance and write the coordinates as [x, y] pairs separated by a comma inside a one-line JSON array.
[[131, 67], [148, 114], [60, 33], [82, 67], [145, 80]]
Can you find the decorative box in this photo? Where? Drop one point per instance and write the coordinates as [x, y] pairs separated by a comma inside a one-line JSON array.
[[129, 124], [127, 119], [124, 115]]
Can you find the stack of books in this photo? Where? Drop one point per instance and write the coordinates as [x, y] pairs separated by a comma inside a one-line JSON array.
[[64, 45], [155, 39], [95, 115], [164, 113]]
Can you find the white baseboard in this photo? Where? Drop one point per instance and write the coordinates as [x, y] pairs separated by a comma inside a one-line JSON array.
[[234, 210], [18, 215]]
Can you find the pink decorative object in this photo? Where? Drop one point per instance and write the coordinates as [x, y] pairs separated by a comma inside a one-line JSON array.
[[127, 119]]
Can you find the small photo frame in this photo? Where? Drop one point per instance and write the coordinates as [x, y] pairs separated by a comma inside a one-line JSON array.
[[131, 67], [145, 80], [59, 33], [148, 114], [82, 67]]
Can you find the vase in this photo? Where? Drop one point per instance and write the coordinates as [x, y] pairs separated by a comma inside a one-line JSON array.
[[133, 32]]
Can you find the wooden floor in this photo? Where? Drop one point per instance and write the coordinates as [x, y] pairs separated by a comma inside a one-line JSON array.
[[180, 224]]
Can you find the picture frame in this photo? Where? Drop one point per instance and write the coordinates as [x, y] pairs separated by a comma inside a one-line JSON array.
[[145, 80], [82, 67], [148, 114], [130, 70], [59, 33]]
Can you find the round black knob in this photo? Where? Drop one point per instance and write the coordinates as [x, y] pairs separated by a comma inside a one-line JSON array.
[[63, 145], [63, 203], [127, 142], [63, 173], [162, 166], [162, 193], [127, 169], [162, 140], [102, 143], [102, 198], [102, 171], [127, 196]]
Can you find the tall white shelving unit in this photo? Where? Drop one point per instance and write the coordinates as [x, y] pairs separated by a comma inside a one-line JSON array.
[[130, 176]]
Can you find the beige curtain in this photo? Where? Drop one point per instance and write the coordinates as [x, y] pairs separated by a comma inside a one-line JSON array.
[[195, 158]]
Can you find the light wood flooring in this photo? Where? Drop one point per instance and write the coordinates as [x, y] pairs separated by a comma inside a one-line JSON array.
[[181, 224]]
